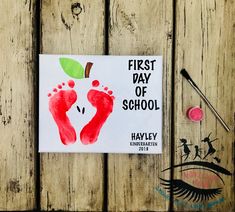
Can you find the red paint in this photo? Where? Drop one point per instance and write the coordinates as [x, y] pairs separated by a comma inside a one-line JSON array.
[[59, 86], [195, 114], [55, 90], [49, 94], [105, 88], [95, 83], [104, 105], [59, 104], [71, 83], [110, 92]]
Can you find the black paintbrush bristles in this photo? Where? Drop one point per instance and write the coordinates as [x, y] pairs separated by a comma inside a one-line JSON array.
[[185, 74], [187, 77]]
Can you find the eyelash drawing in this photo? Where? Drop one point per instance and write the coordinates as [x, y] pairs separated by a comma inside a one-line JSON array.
[[189, 192]]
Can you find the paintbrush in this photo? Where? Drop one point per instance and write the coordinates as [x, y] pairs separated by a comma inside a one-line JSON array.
[[193, 84]]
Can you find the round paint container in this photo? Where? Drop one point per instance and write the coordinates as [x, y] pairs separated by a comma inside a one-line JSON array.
[[195, 114]]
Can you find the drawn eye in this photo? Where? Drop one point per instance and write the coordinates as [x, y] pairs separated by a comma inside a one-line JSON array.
[[189, 192], [194, 192]]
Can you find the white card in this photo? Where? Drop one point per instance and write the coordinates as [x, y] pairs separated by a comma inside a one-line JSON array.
[[105, 104]]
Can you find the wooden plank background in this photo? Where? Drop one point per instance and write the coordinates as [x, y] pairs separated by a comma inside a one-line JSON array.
[[198, 35], [133, 178], [17, 108], [72, 181], [205, 45]]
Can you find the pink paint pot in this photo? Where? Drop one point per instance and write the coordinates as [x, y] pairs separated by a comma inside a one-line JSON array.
[[195, 114]]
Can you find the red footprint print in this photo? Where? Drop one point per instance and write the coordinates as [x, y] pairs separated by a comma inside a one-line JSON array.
[[59, 104], [103, 102]]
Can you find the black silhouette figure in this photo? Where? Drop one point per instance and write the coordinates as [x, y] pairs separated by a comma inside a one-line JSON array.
[[197, 152], [185, 148], [211, 149], [217, 159]]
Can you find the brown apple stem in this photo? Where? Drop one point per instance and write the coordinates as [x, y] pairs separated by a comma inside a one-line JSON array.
[[88, 69]]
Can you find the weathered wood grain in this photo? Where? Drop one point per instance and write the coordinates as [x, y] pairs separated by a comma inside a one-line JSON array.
[[17, 110], [72, 182], [205, 46], [141, 28]]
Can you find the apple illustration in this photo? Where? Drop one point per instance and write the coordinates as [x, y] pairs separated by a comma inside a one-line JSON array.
[[95, 111]]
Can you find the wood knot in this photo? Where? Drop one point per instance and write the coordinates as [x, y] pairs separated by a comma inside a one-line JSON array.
[[76, 9], [14, 186]]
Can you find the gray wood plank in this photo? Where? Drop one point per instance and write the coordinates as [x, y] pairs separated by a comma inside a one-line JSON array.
[[141, 28], [17, 109], [72, 182]]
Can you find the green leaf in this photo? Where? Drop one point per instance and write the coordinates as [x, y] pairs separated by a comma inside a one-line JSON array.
[[72, 68]]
